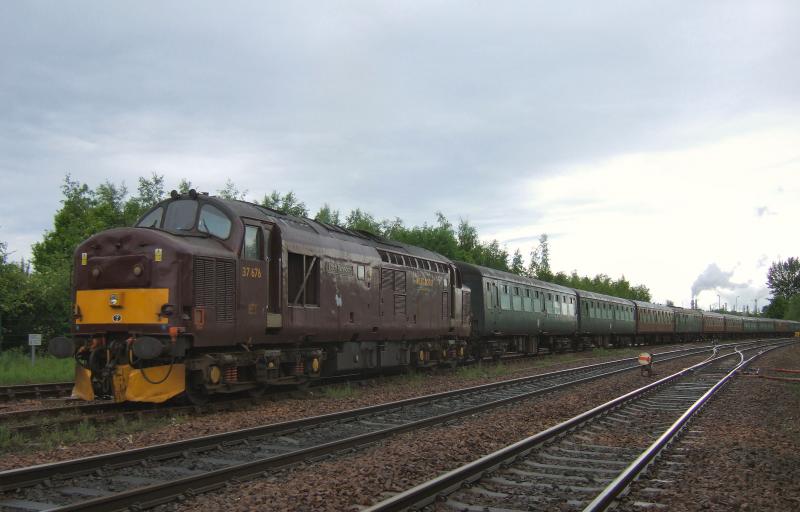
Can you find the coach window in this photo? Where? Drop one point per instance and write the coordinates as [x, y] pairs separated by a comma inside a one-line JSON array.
[[253, 248]]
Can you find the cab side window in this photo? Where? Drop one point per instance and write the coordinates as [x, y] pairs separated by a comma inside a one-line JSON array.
[[253, 248]]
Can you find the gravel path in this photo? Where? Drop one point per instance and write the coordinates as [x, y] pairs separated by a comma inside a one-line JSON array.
[[365, 477], [313, 403], [745, 447]]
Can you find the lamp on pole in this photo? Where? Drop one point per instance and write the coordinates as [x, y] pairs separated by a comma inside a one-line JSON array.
[[719, 303], [735, 304]]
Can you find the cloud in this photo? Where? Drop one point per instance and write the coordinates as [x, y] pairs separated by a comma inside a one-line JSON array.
[[524, 118], [714, 278]]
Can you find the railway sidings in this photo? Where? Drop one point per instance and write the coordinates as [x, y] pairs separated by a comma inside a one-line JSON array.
[[584, 462]]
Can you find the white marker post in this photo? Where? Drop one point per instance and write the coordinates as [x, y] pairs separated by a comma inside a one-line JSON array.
[[34, 340]]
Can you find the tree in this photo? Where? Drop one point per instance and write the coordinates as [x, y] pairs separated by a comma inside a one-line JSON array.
[[74, 222], [328, 216], [150, 192], [783, 278], [184, 186], [230, 191], [539, 266], [467, 237], [792, 309], [777, 307], [287, 204], [517, 266], [360, 220]]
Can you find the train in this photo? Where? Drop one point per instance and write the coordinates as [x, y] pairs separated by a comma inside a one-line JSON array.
[[206, 296]]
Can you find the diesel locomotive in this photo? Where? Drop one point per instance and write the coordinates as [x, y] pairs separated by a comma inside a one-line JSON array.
[[206, 295]]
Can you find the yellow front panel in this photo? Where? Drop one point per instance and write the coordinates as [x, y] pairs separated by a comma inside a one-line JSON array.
[[155, 384], [138, 306], [83, 384]]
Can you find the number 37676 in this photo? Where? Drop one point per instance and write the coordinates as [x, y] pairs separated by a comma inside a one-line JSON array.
[[251, 272]]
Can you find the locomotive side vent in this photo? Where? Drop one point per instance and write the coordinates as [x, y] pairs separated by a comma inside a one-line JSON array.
[[203, 280], [214, 286], [399, 281], [400, 305], [387, 278], [224, 290]]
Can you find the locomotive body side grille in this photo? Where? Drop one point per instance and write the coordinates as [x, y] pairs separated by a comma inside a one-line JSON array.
[[399, 281], [203, 281], [387, 278], [224, 290], [213, 282]]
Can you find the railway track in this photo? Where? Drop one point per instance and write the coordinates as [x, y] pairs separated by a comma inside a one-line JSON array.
[[32, 421], [153, 475], [583, 463], [34, 391]]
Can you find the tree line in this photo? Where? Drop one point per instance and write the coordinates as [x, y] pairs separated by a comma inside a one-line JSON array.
[[783, 281], [35, 295]]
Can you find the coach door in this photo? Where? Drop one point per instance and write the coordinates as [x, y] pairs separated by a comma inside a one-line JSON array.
[[253, 282]]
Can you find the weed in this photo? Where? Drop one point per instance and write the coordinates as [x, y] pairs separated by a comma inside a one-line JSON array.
[[83, 432], [339, 392], [413, 380], [479, 371]]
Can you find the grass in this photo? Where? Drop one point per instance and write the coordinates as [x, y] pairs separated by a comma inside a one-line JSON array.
[[84, 432], [479, 371], [339, 392], [414, 379], [15, 368]]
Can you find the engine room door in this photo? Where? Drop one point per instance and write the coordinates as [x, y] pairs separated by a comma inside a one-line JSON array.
[[253, 283]]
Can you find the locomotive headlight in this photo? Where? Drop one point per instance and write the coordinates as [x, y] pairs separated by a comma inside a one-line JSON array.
[[137, 270]]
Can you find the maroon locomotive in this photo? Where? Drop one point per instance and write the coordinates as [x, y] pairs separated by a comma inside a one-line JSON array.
[[207, 295]]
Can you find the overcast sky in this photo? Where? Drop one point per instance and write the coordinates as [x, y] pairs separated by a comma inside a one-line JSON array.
[[659, 140]]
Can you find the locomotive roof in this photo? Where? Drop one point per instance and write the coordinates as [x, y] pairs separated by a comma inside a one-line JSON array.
[[469, 268], [294, 223]]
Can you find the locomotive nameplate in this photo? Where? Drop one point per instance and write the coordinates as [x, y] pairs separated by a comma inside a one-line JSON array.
[[423, 281], [344, 269]]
